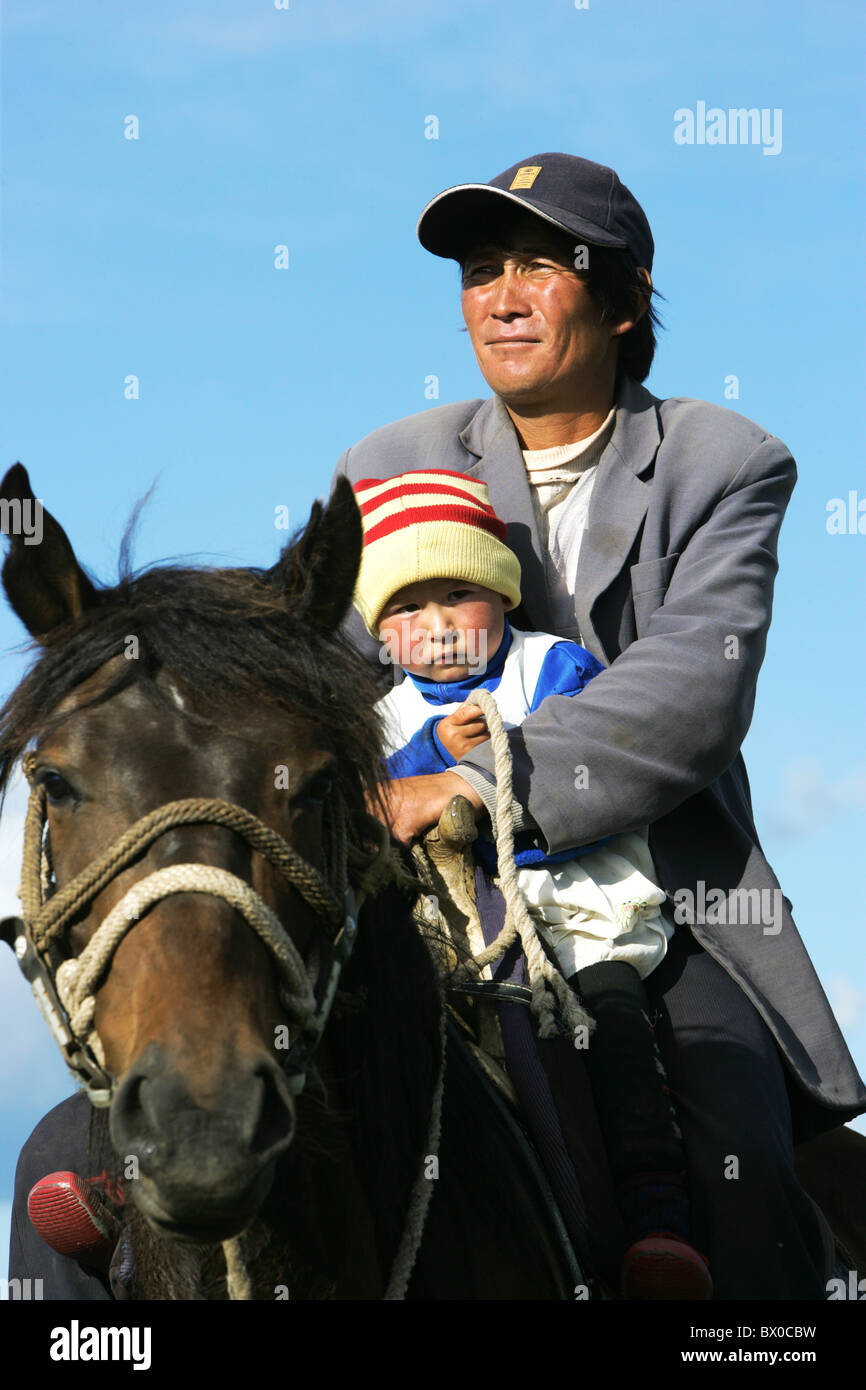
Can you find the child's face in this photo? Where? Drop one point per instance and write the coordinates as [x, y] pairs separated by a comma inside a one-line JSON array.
[[443, 629]]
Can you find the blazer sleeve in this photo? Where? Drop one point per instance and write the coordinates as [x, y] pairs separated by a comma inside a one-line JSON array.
[[668, 716]]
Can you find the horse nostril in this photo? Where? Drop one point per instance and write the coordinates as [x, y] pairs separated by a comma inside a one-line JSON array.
[[131, 1128], [126, 1111]]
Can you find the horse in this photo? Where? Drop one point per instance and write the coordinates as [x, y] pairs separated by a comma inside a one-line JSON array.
[[290, 1106], [275, 1071]]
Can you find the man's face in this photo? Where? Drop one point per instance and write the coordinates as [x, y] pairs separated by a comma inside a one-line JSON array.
[[535, 329]]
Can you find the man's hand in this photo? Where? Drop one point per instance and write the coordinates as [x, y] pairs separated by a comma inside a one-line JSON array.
[[415, 803], [463, 730]]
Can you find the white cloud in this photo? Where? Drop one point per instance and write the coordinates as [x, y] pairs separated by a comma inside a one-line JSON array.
[[811, 797], [5, 1232], [495, 51], [28, 1049], [160, 39], [847, 1000], [11, 837]]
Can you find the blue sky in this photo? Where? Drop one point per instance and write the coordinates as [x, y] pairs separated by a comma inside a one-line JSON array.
[[306, 127]]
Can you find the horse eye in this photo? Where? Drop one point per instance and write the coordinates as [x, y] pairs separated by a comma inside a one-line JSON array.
[[315, 792], [57, 789]]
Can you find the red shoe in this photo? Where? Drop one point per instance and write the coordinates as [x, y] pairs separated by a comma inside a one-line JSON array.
[[76, 1216], [662, 1266]]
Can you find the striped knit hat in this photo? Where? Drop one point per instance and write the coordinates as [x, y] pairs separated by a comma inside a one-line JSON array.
[[430, 525]]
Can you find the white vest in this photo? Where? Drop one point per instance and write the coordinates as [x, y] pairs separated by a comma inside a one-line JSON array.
[[404, 710]]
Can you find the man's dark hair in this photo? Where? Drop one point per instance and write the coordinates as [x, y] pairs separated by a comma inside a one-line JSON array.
[[610, 274], [612, 278]]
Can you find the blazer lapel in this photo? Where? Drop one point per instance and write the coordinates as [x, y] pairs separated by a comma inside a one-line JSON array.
[[617, 508], [491, 437], [618, 504]]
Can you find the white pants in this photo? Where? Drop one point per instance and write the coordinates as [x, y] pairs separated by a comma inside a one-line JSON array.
[[601, 906]]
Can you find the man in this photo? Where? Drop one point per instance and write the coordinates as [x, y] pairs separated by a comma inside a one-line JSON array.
[[647, 531]]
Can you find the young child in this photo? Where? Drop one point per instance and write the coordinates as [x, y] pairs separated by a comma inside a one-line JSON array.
[[435, 583]]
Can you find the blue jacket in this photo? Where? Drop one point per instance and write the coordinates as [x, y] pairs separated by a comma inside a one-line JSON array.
[[566, 669]]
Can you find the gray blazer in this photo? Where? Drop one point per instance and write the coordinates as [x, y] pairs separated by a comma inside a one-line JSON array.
[[674, 597]]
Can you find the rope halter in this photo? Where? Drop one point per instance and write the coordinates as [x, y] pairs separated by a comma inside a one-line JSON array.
[[67, 997]]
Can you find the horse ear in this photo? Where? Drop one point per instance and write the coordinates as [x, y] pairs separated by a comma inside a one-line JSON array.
[[320, 569], [44, 582]]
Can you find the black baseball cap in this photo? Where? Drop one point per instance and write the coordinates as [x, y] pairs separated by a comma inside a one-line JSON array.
[[571, 193]]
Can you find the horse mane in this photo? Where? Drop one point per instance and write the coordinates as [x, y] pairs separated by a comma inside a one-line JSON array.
[[234, 636]]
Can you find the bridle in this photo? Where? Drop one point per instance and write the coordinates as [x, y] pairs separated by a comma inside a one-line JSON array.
[[65, 989], [356, 866]]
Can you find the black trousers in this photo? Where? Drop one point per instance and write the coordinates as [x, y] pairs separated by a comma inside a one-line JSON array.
[[750, 1216], [760, 1230]]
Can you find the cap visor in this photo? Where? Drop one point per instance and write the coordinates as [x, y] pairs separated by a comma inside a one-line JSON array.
[[460, 216]]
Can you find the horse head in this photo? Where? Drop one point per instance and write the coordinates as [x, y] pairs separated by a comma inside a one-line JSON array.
[[233, 687]]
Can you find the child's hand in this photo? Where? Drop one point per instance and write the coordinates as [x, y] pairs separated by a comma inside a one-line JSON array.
[[463, 730]]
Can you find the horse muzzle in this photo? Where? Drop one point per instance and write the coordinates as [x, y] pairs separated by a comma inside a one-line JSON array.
[[200, 1171]]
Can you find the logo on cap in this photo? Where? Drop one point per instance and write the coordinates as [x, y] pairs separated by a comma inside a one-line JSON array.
[[525, 177]]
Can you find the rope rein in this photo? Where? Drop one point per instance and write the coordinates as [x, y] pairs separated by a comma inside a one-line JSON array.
[[549, 989], [422, 1192]]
